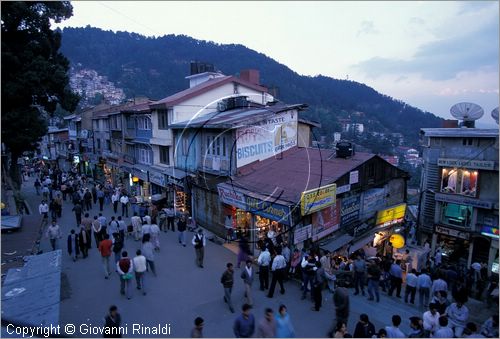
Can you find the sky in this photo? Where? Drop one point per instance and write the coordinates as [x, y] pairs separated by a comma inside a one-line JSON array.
[[430, 54]]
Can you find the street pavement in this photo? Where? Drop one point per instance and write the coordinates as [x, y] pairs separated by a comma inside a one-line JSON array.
[[182, 291]]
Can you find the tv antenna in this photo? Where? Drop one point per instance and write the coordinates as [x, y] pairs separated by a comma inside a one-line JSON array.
[[494, 114], [467, 112]]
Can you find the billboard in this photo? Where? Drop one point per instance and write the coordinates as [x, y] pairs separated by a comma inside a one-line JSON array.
[[349, 210], [373, 200], [266, 138], [391, 215], [317, 199], [325, 221]]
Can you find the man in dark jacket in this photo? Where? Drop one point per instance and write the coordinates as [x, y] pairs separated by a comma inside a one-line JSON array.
[[78, 214], [112, 323], [244, 325], [227, 281], [364, 328]]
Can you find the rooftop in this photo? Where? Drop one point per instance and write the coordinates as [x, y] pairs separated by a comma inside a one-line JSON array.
[[460, 132], [235, 118], [202, 88], [307, 168]]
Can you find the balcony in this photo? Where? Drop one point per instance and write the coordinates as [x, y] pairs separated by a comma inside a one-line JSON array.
[[129, 134]]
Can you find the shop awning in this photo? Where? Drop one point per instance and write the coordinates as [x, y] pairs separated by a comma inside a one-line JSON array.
[[337, 243]]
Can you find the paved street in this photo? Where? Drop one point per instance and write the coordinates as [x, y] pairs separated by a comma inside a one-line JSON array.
[[181, 291]]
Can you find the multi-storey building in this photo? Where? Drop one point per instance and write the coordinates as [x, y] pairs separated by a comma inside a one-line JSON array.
[[459, 194]]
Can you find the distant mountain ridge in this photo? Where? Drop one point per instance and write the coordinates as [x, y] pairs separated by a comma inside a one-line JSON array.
[[156, 67]]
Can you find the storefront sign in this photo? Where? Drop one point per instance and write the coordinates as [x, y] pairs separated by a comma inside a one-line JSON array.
[[302, 234], [317, 199], [452, 232], [266, 138], [474, 164], [325, 221], [343, 189], [140, 174], [231, 197], [360, 229], [276, 212], [490, 231], [157, 178], [373, 200], [391, 216], [349, 210], [353, 177], [175, 181], [461, 200]]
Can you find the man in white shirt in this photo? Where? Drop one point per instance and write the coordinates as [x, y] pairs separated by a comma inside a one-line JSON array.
[[137, 226], [124, 201], [264, 260], [431, 320], [53, 233], [394, 331], [115, 198], [199, 244], [458, 314], [139, 263], [43, 209], [278, 267], [411, 286], [424, 284]]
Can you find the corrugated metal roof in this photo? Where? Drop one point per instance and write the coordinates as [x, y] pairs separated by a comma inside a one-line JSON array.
[[234, 118], [460, 132], [300, 169]]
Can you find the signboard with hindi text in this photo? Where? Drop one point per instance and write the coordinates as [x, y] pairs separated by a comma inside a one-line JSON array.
[[317, 199]]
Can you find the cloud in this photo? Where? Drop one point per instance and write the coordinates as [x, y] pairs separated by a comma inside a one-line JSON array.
[[417, 21], [367, 27], [474, 6], [443, 59]]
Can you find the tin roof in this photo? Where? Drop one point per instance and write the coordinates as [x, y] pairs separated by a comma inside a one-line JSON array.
[[204, 87], [286, 176], [235, 118], [460, 132]]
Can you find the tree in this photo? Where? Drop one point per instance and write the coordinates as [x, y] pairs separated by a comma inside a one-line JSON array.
[[34, 73]]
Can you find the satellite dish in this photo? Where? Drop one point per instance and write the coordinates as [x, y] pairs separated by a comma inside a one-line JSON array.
[[467, 112], [494, 114]]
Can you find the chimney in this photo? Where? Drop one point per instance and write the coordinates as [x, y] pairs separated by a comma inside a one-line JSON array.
[[449, 123], [250, 75]]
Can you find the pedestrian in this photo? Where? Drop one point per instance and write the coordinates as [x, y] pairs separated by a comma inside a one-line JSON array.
[[105, 247], [53, 233], [444, 330], [458, 314], [244, 251], [45, 192], [122, 228], [439, 285], [73, 245], [441, 301], [87, 198], [295, 261], [199, 244], [411, 286], [112, 324], [318, 284], [471, 331], [117, 245], [359, 275], [278, 270], [100, 197], [78, 213], [181, 228], [424, 284], [64, 190], [59, 202], [264, 261], [431, 320], [170, 218], [197, 331], [308, 267], [146, 228], [97, 229], [396, 274], [113, 226], [364, 328], [284, 327], [94, 193], [155, 238], [247, 275], [125, 202], [147, 250], [227, 281], [373, 275], [140, 267], [382, 333], [53, 209], [43, 209], [416, 328], [137, 226], [125, 267], [83, 241], [115, 199], [340, 330], [490, 327], [394, 331], [37, 186], [267, 325], [341, 302], [87, 224], [244, 325], [228, 225]]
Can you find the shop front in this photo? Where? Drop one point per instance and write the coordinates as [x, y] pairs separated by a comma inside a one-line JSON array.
[[178, 195], [455, 244], [158, 183]]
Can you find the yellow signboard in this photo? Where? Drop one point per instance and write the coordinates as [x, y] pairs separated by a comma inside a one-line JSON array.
[[317, 199], [391, 215]]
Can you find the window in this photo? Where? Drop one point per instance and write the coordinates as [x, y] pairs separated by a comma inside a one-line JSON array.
[[99, 144], [130, 123], [108, 145], [162, 119], [216, 146], [106, 124], [456, 215], [164, 155], [95, 124], [145, 156], [467, 141], [185, 145], [143, 123], [459, 181]]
